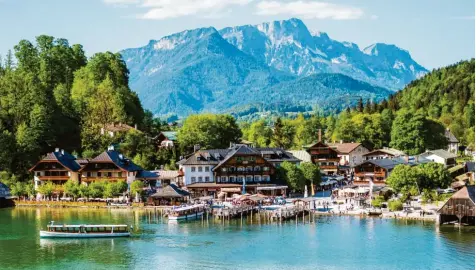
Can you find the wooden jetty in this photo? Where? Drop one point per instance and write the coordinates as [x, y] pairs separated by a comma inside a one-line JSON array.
[[231, 212]]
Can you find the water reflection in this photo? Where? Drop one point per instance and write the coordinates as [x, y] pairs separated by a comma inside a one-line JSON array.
[[327, 242]]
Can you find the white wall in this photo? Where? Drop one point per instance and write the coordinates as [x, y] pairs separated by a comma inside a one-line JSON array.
[[188, 174], [436, 159], [356, 157]]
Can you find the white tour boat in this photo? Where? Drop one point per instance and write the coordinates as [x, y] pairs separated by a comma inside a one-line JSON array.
[[85, 231], [187, 212]]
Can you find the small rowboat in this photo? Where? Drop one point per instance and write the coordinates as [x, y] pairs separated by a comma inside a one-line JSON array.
[[85, 231], [374, 212]]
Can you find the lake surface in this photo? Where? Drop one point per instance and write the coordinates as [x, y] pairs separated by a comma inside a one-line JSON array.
[[327, 243]]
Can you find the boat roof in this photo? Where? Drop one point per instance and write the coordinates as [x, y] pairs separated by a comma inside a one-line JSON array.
[[86, 226], [188, 207]]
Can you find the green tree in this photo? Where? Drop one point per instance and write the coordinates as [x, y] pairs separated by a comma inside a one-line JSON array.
[[403, 177], [209, 131], [293, 175], [96, 189], [434, 175], [311, 173], [71, 188]]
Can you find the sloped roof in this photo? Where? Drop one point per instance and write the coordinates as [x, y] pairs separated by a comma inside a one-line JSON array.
[[147, 175], [389, 151], [450, 137], [64, 158], [200, 157], [439, 152], [171, 135], [344, 148], [390, 163], [170, 191], [464, 193], [285, 156], [116, 158], [167, 174], [301, 155]]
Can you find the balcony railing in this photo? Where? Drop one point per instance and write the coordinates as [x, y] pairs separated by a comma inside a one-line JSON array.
[[53, 178]]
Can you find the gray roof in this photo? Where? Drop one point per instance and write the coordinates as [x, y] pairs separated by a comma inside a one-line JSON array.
[[390, 163], [4, 190], [302, 155], [118, 159], [65, 159], [205, 157], [439, 152], [275, 154], [170, 191], [450, 137], [390, 151]]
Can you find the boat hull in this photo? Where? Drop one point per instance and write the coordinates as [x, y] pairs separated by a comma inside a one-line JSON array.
[[46, 234], [187, 217]]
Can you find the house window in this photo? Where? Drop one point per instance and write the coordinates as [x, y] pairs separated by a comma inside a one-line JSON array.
[[194, 179], [99, 174], [265, 169], [88, 174], [200, 169], [266, 178], [257, 168], [119, 174], [257, 178], [249, 178], [207, 169], [223, 179], [232, 178], [239, 159], [232, 169], [38, 173], [240, 179], [192, 169], [207, 179], [241, 169], [200, 179], [223, 169], [109, 174], [252, 159], [249, 169]]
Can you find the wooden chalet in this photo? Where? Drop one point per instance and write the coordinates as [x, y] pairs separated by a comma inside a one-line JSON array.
[[325, 156], [377, 170], [166, 139], [58, 166], [113, 166], [383, 153], [459, 208], [244, 163]]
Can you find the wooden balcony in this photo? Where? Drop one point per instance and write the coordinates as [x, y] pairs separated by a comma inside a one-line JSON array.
[[54, 178], [369, 174], [328, 167], [102, 178]]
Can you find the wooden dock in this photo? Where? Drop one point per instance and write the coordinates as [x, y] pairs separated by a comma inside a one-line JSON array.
[[288, 212], [237, 211]]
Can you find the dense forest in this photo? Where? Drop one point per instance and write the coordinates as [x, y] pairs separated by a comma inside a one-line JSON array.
[[52, 95], [412, 120]]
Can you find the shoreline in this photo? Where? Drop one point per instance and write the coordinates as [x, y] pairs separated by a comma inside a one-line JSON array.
[[388, 215]]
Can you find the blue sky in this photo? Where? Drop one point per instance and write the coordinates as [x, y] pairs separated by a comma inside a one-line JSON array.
[[436, 33]]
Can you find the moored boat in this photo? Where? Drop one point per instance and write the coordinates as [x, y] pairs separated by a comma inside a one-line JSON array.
[[187, 212], [85, 231], [374, 212]]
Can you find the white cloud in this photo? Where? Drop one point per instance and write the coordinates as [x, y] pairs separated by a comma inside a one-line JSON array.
[[166, 9], [309, 9], [374, 17]]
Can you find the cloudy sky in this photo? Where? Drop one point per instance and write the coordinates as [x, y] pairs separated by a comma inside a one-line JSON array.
[[436, 32]]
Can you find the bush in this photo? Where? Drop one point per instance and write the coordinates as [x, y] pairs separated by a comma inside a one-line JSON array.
[[395, 205], [377, 202]]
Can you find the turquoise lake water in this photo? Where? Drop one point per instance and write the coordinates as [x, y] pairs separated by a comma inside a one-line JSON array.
[[327, 243]]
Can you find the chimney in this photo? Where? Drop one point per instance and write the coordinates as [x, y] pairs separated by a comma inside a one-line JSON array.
[[196, 147], [319, 135], [62, 151], [57, 149]]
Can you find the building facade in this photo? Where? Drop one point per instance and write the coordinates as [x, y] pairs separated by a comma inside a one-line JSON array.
[[58, 167], [325, 156], [453, 142], [350, 154]]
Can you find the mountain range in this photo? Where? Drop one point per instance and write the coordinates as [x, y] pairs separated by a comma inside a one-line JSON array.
[[278, 62]]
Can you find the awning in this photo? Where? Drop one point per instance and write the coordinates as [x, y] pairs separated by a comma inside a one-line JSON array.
[[230, 189], [272, 188]]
